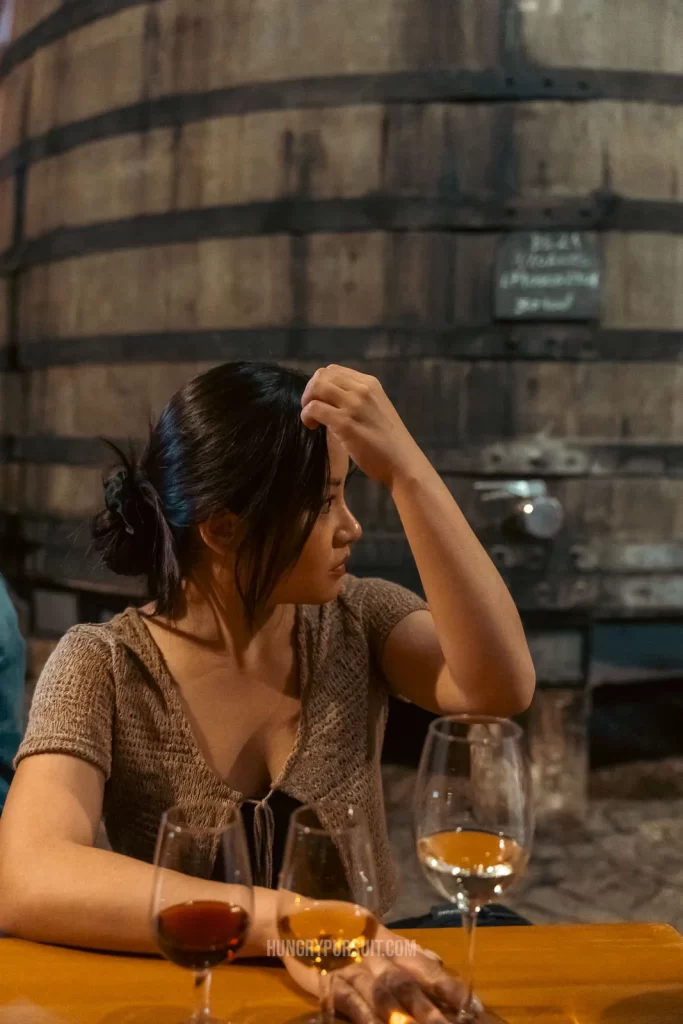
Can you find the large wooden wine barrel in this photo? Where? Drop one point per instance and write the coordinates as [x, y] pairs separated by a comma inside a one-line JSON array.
[[185, 183]]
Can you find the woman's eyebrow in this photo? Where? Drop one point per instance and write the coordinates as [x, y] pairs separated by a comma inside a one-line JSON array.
[[337, 483]]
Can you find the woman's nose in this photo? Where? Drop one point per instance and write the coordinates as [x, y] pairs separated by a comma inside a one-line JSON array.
[[353, 529]]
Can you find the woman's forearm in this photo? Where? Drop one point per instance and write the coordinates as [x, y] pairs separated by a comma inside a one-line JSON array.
[[479, 630], [478, 626], [81, 896]]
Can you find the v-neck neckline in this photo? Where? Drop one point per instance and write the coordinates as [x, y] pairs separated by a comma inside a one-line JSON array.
[[171, 691]]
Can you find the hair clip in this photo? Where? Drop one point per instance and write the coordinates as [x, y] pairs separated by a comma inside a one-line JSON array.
[[115, 496]]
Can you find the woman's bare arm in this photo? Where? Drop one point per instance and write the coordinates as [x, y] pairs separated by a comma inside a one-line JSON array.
[[56, 887], [468, 653]]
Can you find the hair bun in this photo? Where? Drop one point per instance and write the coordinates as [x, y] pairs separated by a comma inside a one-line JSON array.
[[124, 531], [121, 495]]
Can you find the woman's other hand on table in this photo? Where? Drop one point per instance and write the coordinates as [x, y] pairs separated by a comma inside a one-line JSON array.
[[395, 989]]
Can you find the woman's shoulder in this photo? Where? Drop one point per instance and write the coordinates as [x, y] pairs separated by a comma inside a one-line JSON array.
[[374, 606], [91, 647], [369, 596], [73, 706]]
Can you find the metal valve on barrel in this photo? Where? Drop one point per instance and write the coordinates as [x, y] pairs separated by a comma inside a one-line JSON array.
[[530, 508]]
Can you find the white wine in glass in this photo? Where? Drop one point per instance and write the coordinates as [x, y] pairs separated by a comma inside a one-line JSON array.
[[326, 934], [473, 817], [471, 866], [327, 898]]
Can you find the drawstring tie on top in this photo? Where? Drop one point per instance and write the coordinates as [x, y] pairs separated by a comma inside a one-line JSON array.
[[264, 836]]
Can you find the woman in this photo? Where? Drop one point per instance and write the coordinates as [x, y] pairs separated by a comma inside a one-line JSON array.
[[260, 671]]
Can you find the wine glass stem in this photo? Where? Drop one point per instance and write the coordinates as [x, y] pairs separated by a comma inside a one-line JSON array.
[[326, 1005], [202, 992], [469, 923]]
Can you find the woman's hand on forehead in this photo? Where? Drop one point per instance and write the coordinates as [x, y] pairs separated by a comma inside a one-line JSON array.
[[357, 411]]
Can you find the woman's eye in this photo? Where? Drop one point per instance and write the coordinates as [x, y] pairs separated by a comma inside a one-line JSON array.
[[328, 505]]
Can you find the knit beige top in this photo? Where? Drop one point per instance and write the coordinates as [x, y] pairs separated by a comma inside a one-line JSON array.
[[106, 696]]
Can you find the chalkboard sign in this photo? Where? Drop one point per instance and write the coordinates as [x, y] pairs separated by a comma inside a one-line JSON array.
[[548, 275]]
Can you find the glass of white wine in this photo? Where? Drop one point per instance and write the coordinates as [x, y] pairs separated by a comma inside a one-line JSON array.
[[327, 898], [473, 817]]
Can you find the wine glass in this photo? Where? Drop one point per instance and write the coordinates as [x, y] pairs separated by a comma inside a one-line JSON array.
[[197, 922], [473, 817], [327, 896]]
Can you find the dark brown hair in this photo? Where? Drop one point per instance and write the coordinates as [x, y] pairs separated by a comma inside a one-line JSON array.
[[230, 439]]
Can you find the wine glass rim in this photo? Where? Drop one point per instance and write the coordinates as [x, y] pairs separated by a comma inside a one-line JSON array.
[[511, 730], [170, 817], [312, 829]]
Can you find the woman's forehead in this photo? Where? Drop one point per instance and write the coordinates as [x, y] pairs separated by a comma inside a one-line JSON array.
[[339, 459]]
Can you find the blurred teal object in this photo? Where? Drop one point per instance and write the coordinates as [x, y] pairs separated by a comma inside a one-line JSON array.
[[12, 675]]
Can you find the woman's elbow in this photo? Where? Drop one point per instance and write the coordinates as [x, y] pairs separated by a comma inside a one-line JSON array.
[[22, 879], [520, 686], [513, 691], [524, 685], [13, 909]]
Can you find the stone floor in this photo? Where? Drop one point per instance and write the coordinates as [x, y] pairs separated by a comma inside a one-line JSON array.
[[626, 864]]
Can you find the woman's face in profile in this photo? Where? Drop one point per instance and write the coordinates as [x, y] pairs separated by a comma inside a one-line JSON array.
[[315, 578]]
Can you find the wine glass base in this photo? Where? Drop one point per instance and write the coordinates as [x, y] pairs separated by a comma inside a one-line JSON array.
[[204, 1018], [473, 1014], [314, 1017]]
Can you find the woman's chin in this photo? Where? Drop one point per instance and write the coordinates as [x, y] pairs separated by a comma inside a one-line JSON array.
[[318, 589], [330, 587]]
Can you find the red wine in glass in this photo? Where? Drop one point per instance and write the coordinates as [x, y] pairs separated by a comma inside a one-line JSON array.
[[201, 933], [202, 898]]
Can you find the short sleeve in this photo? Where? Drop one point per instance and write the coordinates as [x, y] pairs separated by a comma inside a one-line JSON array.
[[73, 706], [384, 604]]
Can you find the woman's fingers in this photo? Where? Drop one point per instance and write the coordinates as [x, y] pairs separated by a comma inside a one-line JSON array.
[[349, 1000], [416, 991], [317, 412], [325, 390], [449, 991], [434, 980], [395, 992], [409, 989], [377, 992], [412, 996]]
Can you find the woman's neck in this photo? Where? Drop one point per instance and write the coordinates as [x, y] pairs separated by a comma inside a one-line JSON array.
[[212, 618]]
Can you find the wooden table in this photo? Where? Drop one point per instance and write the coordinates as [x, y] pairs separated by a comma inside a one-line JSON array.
[[592, 974]]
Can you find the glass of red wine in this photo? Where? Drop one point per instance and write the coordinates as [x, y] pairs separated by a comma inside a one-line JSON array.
[[202, 899]]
